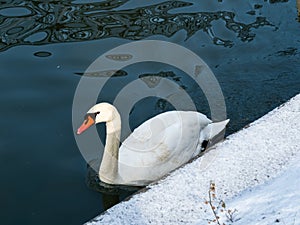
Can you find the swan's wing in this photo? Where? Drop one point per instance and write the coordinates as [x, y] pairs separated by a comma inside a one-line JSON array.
[[160, 145]]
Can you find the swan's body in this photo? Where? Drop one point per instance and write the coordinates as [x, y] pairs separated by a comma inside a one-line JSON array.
[[158, 146]]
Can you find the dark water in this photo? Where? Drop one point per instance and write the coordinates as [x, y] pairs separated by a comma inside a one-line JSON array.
[[251, 46]]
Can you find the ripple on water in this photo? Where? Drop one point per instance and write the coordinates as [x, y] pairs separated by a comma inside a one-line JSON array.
[[15, 12], [36, 37], [42, 54]]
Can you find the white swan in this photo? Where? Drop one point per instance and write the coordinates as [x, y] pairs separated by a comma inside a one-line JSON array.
[[158, 146]]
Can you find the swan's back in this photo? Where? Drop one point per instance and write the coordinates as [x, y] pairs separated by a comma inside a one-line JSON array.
[[160, 145]]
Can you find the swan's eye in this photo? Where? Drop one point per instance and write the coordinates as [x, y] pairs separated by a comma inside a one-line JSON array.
[[92, 115], [95, 114]]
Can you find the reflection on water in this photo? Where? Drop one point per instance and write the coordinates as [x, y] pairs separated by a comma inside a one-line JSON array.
[[288, 51], [105, 73], [111, 194], [42, 54], [153, 79], [37, 23]]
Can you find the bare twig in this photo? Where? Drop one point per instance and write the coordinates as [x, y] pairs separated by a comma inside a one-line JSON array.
[[211, 194], [218, 207], [229, 214]]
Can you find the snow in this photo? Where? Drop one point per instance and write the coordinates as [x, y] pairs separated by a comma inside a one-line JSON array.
[[277, 201], [254, 170]]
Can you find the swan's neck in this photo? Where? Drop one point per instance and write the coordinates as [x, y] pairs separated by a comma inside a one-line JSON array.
[[108, 172]]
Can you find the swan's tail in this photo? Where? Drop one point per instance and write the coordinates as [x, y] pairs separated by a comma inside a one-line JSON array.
[[211, 134], [215, 128]]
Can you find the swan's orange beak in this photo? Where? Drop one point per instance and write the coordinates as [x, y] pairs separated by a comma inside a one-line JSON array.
[[89, 121]]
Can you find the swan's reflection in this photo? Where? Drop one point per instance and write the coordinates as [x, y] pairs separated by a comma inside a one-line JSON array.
[[109, 200], [111, 194]]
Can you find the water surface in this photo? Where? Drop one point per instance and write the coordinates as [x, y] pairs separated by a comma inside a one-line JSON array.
[[252, 48]]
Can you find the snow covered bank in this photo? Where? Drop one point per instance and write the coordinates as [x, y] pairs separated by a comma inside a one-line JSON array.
[[248, 158]]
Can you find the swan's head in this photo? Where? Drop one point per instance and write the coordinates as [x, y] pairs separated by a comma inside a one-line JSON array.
[[102, 112]]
